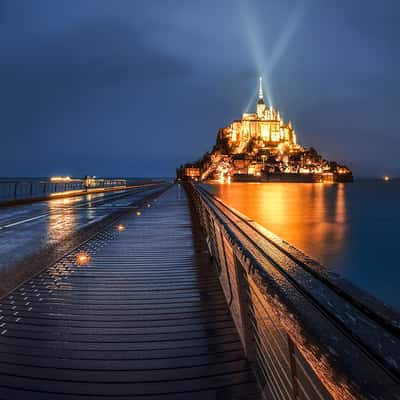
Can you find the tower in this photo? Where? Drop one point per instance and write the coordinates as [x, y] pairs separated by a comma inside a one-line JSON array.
[[260, 102]]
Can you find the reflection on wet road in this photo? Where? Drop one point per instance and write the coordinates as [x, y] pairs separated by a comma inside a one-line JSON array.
[[26, 229]]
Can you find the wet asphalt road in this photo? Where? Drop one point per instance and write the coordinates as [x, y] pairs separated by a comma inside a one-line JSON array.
[[26, 229]]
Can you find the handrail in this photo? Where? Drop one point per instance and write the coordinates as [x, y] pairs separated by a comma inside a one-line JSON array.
[[306, 337], [12, 189], [375, 309]]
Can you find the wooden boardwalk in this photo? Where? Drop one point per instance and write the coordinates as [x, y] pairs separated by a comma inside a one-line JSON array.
[[145, 318]]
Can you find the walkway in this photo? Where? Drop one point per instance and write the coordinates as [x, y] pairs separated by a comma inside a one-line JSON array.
[[145, 319]]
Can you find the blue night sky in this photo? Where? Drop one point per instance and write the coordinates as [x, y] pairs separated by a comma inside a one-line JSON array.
[[135, 88]]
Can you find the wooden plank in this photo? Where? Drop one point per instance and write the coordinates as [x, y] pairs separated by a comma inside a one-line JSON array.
[[146, 318]]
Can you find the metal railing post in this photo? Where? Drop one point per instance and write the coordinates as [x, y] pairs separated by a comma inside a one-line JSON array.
[[243, 291]]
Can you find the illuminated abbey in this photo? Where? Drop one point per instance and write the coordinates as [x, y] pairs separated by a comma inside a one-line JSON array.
[[262, 147], [265, 125]]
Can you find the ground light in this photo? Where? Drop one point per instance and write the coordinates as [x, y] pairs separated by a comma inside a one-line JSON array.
[[82, 258]]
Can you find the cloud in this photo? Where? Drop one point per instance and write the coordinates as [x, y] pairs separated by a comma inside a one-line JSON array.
[[52, 80], [95, 55]]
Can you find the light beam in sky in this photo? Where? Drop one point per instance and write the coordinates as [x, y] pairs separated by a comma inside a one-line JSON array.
[[265, 65]]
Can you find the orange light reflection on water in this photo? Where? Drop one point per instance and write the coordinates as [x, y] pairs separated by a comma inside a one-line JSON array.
[[310, 216]]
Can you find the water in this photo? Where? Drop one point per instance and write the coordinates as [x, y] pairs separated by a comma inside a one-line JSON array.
[[352, 228]]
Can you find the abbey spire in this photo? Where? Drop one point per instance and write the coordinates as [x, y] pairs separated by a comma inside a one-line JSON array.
[[260, 102], [260, 92]]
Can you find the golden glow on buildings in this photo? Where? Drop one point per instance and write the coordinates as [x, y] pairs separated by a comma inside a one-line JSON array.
[[262, 147], [266, 125], [192, 172]]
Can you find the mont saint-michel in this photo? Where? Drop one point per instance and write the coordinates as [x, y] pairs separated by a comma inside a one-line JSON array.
[[262, 147]]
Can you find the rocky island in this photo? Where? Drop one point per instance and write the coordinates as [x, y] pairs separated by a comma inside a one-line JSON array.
[[262, 147]]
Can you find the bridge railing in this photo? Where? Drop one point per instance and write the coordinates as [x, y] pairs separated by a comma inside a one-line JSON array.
[[26, 189], [308, 333]]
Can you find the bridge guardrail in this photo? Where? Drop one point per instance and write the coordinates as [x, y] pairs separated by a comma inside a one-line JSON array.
[[18, 189], [308, 333]]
